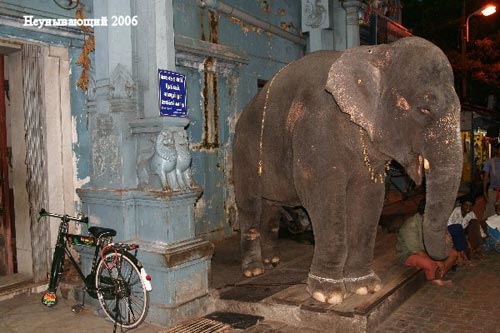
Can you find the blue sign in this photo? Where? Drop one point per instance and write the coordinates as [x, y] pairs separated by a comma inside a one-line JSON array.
[[172, 93]]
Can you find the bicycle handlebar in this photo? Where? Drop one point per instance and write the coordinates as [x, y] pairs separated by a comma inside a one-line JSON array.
[[79, 218]]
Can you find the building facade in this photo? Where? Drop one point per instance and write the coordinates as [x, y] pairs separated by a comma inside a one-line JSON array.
[[85, 131]]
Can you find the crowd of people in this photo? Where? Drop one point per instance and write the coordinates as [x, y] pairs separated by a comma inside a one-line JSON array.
[[469, 231]]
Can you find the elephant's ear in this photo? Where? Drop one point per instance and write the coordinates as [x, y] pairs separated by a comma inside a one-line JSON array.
[[354, 80]]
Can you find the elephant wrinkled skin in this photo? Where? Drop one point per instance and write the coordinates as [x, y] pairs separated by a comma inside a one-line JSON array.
[[332, 121]]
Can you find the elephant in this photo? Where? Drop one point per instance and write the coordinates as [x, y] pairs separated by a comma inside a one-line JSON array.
[[320, 134]]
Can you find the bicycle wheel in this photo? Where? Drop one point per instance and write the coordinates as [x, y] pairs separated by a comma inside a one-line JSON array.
[[120, 290]]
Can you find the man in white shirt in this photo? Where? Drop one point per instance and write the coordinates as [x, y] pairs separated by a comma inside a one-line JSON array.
[[457, 223]]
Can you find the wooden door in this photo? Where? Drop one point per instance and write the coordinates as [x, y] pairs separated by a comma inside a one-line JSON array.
[[6, 226]]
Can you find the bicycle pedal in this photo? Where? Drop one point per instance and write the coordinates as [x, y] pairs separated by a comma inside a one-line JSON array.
[[77, 308]]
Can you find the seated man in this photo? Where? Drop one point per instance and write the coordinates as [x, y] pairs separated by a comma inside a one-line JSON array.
[[492, 241], [457, 223], [411, 251]]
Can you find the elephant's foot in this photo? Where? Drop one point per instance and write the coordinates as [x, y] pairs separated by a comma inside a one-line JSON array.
[[326, 290], [250, 271], [363, 285], [252, 260], [270, 254], [271, 262]]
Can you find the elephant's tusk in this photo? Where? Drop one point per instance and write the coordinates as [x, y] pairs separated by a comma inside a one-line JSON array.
[[426, 164]]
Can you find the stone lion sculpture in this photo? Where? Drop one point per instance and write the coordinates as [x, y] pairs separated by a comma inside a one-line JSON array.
[[170, 161]]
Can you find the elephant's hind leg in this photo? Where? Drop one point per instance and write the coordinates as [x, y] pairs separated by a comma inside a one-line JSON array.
[[251, 263], [252, 258], [270, 220]]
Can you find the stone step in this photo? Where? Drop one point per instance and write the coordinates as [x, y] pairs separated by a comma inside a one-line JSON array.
[[280, 294], [294, 306], [18, 284]]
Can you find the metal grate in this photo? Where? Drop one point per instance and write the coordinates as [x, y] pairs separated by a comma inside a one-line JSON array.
[[34, 126], [200, 325]]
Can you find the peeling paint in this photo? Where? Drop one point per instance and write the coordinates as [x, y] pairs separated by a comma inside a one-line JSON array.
[[246, 27], [210, 135], [266, 6], [209, 93], [202, 24], [288, 26]]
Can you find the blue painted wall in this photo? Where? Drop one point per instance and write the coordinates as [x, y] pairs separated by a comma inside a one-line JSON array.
[[266, 54]]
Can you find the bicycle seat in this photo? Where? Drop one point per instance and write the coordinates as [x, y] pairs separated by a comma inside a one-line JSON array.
[[102, 232]]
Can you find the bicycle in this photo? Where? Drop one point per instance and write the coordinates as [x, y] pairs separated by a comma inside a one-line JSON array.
[[117, 278]]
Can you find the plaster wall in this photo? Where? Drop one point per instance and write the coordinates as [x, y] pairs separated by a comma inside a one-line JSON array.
[[219, 89]]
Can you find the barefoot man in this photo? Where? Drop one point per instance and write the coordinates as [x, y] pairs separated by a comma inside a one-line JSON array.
[[411, 251]]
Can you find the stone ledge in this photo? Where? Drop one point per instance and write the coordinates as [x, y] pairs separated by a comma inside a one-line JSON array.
[[179, 253]]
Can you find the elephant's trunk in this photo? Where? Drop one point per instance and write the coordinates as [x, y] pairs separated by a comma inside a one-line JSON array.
[[442, 182]]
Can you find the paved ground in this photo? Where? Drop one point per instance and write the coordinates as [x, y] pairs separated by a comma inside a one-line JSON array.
[[470, 305], [25, 314]]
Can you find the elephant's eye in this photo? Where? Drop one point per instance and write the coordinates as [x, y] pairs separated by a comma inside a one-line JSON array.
[[425, 111]]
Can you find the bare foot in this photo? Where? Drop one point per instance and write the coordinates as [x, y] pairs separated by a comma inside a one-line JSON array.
[[439, 270], [443, 283], [469, 263]]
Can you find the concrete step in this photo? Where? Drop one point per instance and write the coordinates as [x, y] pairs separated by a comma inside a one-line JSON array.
[[280, 294], [19, 284], [294, 306]]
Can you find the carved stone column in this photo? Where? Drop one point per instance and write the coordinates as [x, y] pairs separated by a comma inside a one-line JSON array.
[[317, 21], [352, 8], [140, 182]]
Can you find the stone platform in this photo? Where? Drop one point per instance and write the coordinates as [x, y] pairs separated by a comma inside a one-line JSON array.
[[280, 294]]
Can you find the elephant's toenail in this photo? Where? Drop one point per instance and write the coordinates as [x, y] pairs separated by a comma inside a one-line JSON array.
[[247, 273], [335, 299], [319, 297], [362, 291]]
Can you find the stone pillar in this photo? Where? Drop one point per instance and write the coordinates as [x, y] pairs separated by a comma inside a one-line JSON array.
[[112, 101], [140, 183], [154, 50], [339, 26], [317, 21], [352, 8]]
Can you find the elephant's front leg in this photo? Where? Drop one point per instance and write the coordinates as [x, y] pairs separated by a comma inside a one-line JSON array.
[[325, 205], [364, 206]]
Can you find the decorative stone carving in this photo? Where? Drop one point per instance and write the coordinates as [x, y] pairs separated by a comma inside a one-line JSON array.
[[183, 166], [122, 84], [91, 87], [315, 15], [170, 160]]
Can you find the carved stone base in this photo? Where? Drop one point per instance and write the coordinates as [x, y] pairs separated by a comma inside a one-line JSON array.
[[162, 224], [154, 216]]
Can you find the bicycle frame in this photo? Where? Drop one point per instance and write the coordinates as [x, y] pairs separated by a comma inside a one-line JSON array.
[[62, 251], [64, 239], [122, 294]]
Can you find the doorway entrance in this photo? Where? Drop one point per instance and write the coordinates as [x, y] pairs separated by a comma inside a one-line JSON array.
[[36, 156]]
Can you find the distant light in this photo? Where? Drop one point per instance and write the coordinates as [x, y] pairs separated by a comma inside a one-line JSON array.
[[489, 10]]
